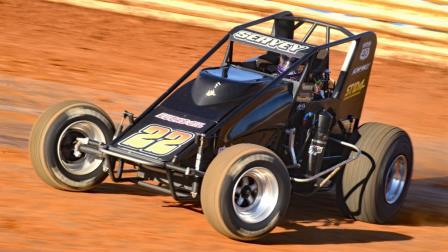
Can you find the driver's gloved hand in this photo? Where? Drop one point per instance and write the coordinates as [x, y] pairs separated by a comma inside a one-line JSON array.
[[270, 69], [265, 66]]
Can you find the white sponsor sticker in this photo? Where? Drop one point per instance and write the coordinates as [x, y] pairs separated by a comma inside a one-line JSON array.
[[210, 92], [365, 50], [180, 120], [270, 42], [360, 69]]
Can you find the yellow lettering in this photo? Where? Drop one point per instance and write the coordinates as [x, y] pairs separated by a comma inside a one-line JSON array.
[[354, 89]]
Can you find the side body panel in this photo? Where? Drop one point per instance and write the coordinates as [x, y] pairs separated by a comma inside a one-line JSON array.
[[354, 85], [262, 122]]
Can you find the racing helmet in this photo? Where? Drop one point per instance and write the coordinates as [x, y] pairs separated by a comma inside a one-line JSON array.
[[285, 63]]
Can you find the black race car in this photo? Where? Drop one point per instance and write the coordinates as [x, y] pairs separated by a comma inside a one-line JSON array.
[[242, 136]]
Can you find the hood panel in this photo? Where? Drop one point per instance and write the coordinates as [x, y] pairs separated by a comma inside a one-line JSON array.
[[192, 109]]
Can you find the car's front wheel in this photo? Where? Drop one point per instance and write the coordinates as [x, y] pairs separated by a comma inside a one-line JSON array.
[[52, 145], [245, 191]]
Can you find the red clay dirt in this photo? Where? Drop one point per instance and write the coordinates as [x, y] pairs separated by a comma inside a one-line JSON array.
[[51, 52]]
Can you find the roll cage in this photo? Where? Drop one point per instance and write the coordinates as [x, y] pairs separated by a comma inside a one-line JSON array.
[[279, 30]]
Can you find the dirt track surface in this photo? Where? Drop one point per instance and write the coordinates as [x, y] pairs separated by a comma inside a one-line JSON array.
[[50, 53]]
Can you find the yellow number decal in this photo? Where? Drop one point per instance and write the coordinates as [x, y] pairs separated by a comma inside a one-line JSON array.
[[146, 137], [170, 143], [157, 140]]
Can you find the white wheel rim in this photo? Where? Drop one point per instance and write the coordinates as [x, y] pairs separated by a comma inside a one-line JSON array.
[[396, 179], [87, 163], [255, 195]]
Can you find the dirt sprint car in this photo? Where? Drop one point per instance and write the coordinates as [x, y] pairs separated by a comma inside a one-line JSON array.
[[240, 137]]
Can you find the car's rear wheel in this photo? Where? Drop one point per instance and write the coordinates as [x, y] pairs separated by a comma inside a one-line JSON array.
[[245, 191], [373, 187], [52, 145]]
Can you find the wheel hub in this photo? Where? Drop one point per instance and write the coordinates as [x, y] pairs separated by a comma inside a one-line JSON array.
[[255, 194], [84, 163], [68, 143], [246, 192]]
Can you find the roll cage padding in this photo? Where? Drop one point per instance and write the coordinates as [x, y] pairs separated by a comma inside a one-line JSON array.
[[282, 28]]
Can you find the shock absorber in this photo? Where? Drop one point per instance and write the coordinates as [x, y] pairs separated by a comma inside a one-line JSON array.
[[319, 142]]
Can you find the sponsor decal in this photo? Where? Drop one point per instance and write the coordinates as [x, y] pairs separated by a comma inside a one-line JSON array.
[[268, 41], [157, 140], [212, 92], [301, 106], [365, 51], [180, 120], [360, 69], [307, 87], [354, 89]]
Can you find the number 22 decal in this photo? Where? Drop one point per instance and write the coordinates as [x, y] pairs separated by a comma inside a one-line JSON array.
[[157, 140]]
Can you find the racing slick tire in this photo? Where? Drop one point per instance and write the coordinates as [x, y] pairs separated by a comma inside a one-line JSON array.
[[245, 191], [373, 187], [53, 139]]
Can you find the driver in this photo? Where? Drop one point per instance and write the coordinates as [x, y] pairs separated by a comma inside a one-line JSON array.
[[285, 63]]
